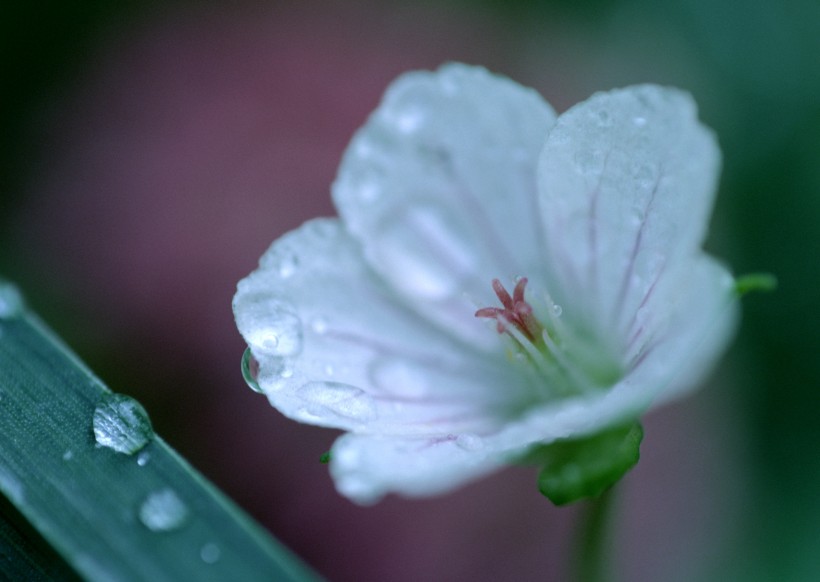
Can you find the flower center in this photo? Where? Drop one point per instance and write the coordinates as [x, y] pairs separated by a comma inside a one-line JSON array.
[[568, 362], [516, 312]]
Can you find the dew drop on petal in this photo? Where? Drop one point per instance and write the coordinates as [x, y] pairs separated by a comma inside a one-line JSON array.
[[163, 511], [11, 301], [335, 399], [68, 455], [210, 553], [557, 310], [250, 371], [271, 328], [121, 423], [470, 442], [639, 121], [287, 266], [318, 325], [143, 458]]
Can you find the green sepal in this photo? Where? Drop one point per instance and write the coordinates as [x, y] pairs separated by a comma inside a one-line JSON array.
[[574, 469]]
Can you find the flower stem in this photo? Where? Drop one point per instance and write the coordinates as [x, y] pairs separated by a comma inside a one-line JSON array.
[[592, 541]]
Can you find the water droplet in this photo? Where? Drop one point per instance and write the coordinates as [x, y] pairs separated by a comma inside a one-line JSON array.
[[286, 373], [250, 371], [121, 423], [470, 442], [143, 458], [270, 326], [557, 310], [288, 265], [409, 119], [163, 511], [68, 455], [334, 399], [11, 301], [639, 121], [210, 553], [318, 325]]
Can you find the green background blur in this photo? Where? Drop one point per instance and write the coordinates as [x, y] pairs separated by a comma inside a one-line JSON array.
[[754, 68]]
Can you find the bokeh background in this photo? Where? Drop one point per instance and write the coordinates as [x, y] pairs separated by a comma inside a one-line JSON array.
[[152, 150]]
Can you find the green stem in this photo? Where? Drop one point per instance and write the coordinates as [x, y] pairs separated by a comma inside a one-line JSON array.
[[592, 540]]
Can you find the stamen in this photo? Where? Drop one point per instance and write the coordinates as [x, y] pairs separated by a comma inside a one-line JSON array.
[[516, 312]]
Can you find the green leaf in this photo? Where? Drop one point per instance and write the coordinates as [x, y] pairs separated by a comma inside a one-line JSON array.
[[586, 467], [764, 282], [121, 506]]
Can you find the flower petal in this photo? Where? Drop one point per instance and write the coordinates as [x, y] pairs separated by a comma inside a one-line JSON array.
[[365, 468], [439, 187], [337, 348], [627, 180]]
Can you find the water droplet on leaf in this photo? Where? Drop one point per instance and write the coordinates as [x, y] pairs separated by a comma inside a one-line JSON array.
[[11, 301], [143, 458], [163, 511], [210, 553], [68, 455], [121, 423]]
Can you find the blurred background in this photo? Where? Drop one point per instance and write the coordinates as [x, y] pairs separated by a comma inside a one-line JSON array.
[[151, 151]]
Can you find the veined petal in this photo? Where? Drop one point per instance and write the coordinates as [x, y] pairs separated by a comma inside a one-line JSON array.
[[627, 181], [681, 328], [439, 187], [336, 347]]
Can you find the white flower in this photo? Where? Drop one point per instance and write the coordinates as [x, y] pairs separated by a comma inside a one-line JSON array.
[[498, 278]]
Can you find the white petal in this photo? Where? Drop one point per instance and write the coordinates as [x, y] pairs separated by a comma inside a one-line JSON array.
[[337, 348], [365, 468], [627, 181], [439, 186], [682, 327]]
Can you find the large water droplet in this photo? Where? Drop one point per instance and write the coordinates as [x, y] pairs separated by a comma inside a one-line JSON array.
[[11, 301], [269, 326], [163, 511], [250, 371], [334, 399], [121, 423]]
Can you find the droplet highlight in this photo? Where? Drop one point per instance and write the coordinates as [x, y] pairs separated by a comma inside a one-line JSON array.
[[163, 511], [121, 423], [143, 458]]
